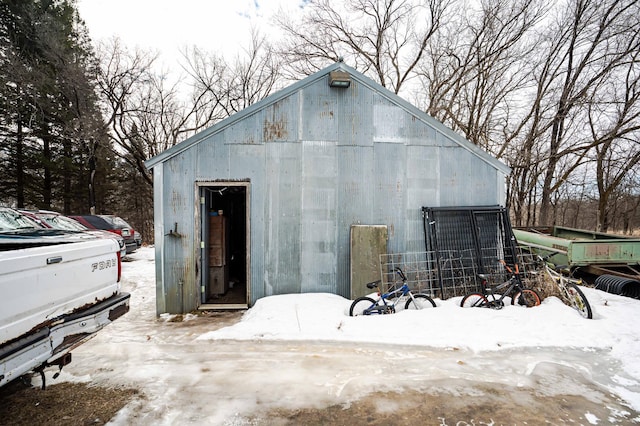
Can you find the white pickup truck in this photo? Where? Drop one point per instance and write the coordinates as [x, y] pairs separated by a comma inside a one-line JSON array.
[[59, 288]]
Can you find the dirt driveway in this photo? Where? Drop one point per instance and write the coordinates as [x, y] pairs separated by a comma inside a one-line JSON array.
[[82, 404], [168, 381]]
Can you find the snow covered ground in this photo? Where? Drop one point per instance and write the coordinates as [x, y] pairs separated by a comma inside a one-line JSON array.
[[304, 351]]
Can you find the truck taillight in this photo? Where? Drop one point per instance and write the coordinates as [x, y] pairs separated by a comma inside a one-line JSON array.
[[119, 266]]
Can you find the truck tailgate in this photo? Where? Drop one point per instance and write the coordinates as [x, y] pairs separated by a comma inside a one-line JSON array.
[[51, 345], [40, 284]]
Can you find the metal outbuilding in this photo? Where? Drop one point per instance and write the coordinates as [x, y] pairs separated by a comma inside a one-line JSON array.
[[265, 202]]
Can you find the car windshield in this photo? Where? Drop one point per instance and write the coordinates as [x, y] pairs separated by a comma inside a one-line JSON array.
[[11, 220], [63, 222]]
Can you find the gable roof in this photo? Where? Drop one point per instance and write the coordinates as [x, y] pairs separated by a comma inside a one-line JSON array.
[[355, 75]]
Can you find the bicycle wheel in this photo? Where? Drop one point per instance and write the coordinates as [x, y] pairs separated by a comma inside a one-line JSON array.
[[579, 301], [420, 301], [527, 298], [473, 300], [360, 305]]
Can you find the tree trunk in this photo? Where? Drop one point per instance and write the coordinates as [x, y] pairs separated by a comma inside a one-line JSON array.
[[46, 164], [545, 203], [19, 163], [66, 178], [603, 216], [92, 190]]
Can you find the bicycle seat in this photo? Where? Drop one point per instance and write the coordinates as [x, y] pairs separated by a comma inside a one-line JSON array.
[[373, 284]]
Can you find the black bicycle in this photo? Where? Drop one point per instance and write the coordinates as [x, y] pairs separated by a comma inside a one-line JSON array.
[[512, 288], [386, 302]]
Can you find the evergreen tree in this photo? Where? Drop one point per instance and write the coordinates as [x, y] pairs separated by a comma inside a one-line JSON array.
[[52, 130]]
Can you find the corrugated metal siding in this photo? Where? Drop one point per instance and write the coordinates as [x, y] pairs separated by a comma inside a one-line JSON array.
[[319, 113], [418, 133], [180, 286], [319, 233], [464, 180], [280, 121], [282, 211], [355, 113], [388, 191], [212, 159], [318, 161], [355, 204], [249, 134], [422, 189], [390, 122]]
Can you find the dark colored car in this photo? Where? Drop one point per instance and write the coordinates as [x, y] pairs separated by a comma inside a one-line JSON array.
[[112, 224], [50, 219]]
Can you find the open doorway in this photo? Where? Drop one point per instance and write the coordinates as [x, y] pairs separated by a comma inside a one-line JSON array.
[[225, 245]]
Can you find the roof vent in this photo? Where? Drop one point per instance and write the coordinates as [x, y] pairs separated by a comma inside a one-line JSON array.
[[339, 79]]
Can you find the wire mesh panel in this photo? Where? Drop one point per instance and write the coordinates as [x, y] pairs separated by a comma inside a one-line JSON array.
[[469, 228], [481, 235], [418, 268], [453, 273], [529, 262], [458, 272], [461, 243]]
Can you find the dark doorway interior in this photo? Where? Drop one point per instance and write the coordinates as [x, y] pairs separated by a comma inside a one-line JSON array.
[[225, 245]]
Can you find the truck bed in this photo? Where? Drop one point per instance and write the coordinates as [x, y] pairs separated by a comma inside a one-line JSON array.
[[593, 252]]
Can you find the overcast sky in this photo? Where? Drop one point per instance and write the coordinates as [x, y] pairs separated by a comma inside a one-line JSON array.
[[169, 25]]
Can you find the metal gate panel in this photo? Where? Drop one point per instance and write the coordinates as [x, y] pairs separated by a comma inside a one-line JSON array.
[[476, 238]]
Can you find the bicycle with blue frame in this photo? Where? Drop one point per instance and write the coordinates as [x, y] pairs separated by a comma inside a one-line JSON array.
[[386, 302]]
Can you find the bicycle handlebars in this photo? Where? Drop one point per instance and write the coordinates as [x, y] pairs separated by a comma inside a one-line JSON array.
[[399, 272], [509, 269]]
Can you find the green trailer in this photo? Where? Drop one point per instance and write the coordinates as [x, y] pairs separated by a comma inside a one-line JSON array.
[[593, 252]]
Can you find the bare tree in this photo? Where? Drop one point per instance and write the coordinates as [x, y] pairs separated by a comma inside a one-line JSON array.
[[614, 123], [220, 88], [476, 67], [599, 38], [386, 39], [582, 48], [629, 217], [144, 115], [477, 78]]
